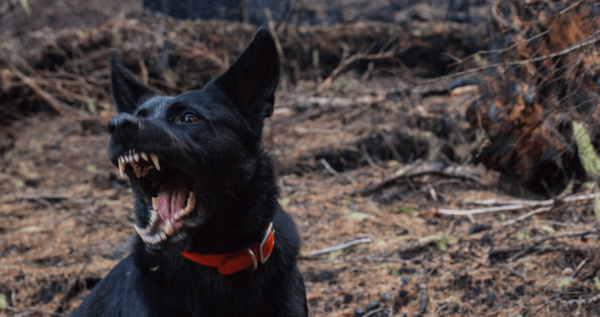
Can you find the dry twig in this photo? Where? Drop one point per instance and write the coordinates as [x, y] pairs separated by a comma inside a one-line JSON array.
[[594, 39], [520, 205], [353, 58], [337, 247], [58, 106], [370, 189]]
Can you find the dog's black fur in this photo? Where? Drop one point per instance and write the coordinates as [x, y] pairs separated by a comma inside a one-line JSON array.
[[211, 136]]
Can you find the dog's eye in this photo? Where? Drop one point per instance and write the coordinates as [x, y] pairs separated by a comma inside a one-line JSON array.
[[189, 118]]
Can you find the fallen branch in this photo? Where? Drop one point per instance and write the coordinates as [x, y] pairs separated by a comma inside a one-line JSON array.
[[58, 106], [520, 205], [560, 235], [514, 63], [370, 189], [589, 301], [525, 216], [348, 61], [337, 247], [334, 172]]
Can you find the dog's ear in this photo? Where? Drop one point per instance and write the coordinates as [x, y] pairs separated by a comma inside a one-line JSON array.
[[127, 91], [251, 81]]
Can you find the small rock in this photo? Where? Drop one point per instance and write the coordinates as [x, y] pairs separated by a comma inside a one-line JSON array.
[[359, 312], [486, 241], [404, 281], [534, 232], [348, 299], [384, 298], [478, 228], [372, 305]]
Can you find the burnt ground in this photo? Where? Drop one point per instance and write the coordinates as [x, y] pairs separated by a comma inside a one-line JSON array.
[[66, 218]]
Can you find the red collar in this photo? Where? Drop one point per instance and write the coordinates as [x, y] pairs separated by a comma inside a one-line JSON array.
[[233, 262]]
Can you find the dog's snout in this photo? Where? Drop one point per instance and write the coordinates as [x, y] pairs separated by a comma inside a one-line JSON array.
[[124, 123]]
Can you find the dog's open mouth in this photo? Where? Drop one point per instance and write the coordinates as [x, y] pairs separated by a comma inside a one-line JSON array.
[[170, 192]]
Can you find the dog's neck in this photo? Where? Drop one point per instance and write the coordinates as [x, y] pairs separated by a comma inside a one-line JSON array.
[[233, 262]]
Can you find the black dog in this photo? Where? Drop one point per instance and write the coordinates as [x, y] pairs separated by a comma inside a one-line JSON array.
[[213, 240]]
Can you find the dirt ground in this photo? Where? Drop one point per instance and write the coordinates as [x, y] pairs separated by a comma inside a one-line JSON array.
[[360, 166]]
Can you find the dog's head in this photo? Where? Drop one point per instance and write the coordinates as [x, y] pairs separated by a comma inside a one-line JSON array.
[[182, 153]]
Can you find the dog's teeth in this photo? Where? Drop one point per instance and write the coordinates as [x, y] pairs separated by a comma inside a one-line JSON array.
[[153, 216], [131, 158], [136, 157], [178, 215], [154, 203], [168, 228], [144, 156], [140, 231], [154, 158], [163, 236], [121, 167], [190, 203]]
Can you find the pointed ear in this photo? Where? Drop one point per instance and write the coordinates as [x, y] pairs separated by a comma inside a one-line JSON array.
[[127, 91], [251, 81]]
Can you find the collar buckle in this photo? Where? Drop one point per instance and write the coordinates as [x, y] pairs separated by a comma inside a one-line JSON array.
[[261, 248]]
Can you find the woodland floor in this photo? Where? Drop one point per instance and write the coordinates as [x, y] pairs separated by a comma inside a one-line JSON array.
[[66, 218]]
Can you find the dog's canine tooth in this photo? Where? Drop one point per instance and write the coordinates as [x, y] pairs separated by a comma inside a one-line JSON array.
[[140, 231], [163, 236], [168, 228], [154, 203], [144, 156], [121, 168], [154, 158], [190, 203], [136, 157]]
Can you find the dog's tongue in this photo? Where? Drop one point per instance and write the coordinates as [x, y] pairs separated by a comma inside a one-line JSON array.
[[172, 197]]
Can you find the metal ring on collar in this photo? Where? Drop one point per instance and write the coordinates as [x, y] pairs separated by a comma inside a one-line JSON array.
[[254, 262], [261, 251]]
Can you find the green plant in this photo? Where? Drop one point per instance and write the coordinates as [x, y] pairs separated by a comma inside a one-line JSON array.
[[340, 85], [587, 154], [25, 5], [358, 216], [522, 235], [404, 210], [3, 302], [443, 243], [334, 255]]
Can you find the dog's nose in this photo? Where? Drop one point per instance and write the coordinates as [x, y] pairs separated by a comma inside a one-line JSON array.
[[124, 123]]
